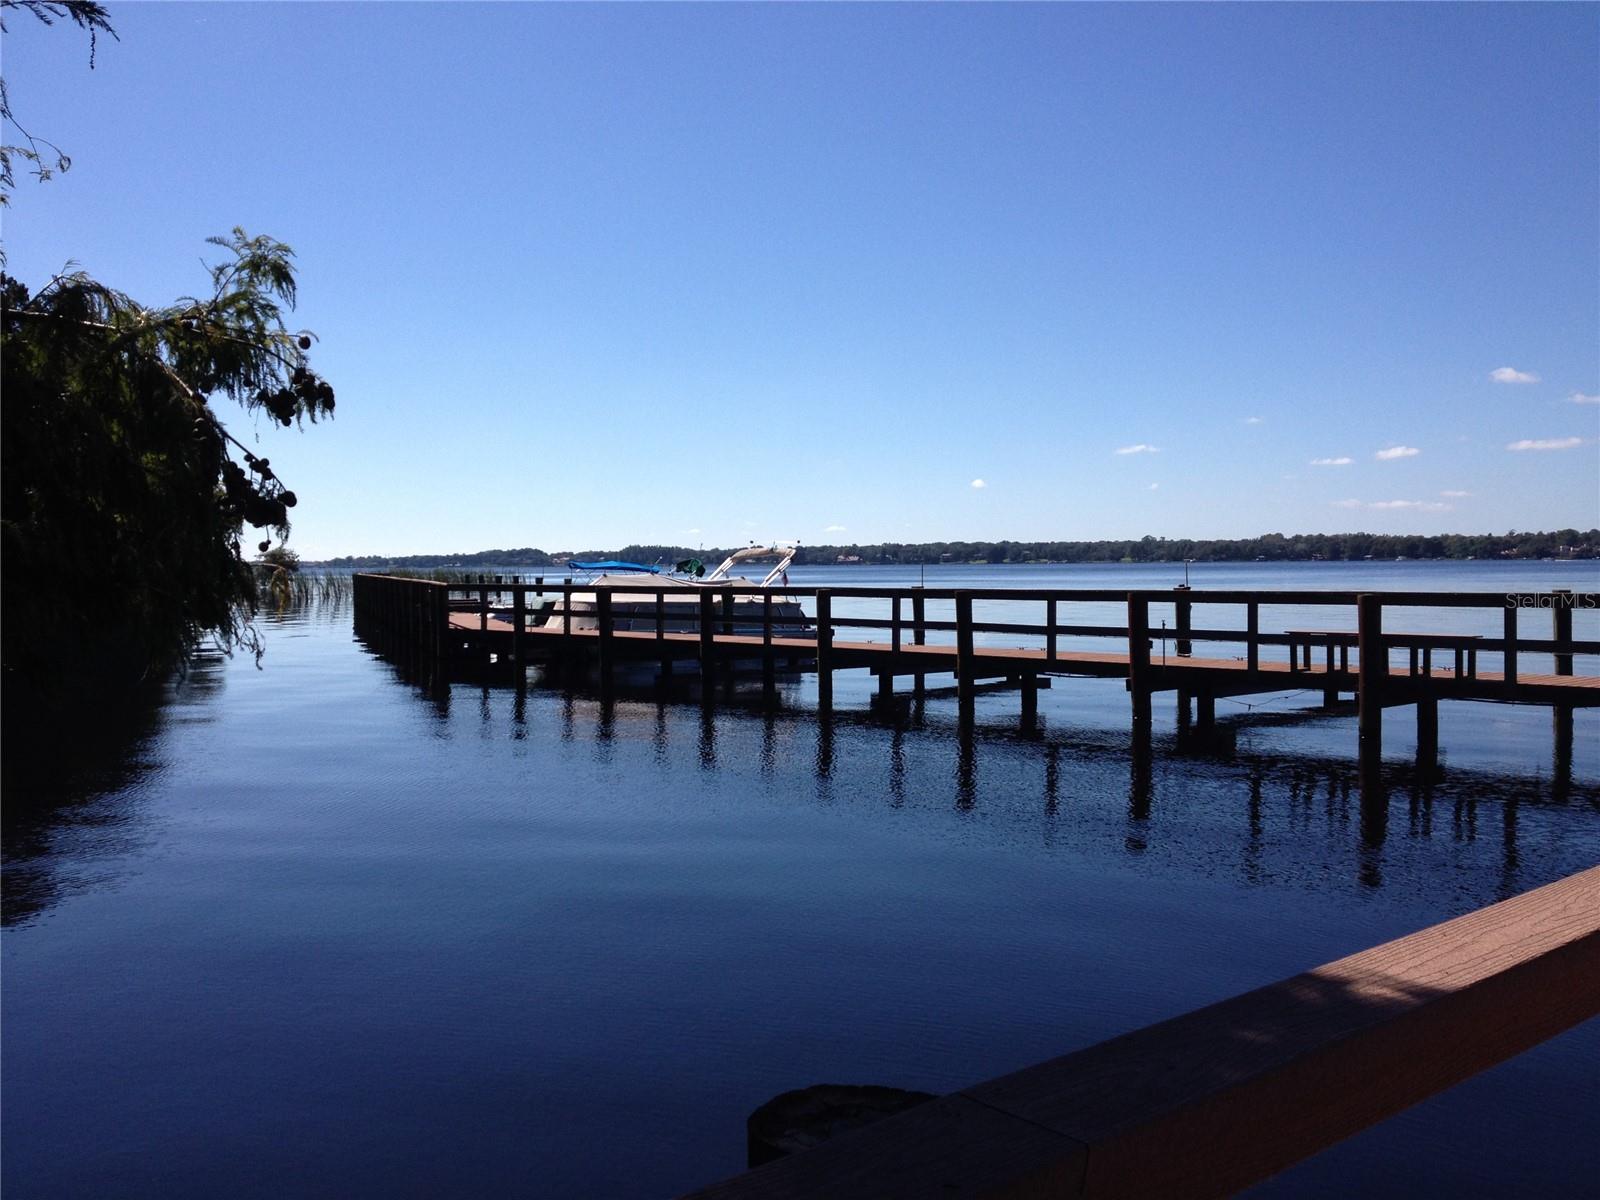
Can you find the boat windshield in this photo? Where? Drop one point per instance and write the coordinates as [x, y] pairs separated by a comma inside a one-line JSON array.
[[783, 554]]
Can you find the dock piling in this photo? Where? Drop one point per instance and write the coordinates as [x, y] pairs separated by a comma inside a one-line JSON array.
[[825, 652], [1139, 658], [965, 674], [1372, 671]]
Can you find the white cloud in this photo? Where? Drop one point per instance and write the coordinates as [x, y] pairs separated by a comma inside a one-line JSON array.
[[1252, 420], [692, 531], [1139, 448], [1455, 495], [1419, 505], [834, 529], [1583, 398], [978, 483], [1390, 452], [1154, 486], [1512, 375], [1389, 505], [1344, 460], [1566, 443]]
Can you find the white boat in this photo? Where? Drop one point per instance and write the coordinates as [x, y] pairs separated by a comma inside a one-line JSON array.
[[683, 587]]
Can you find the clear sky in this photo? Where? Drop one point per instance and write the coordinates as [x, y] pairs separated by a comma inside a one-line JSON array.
[[590, 275]]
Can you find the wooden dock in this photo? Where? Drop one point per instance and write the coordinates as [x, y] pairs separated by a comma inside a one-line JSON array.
[[1210, 1102], [448, 628]]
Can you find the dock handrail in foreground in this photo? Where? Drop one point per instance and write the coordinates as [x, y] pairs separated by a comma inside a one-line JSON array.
[[1218, 1099]]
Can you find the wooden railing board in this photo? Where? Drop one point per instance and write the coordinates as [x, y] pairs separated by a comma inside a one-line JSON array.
[[1210, 1102]]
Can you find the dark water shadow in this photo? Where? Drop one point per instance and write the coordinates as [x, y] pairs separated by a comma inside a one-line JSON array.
[[72, 789]]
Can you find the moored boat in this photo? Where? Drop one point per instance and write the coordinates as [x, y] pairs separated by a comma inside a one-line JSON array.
[[741, 603]]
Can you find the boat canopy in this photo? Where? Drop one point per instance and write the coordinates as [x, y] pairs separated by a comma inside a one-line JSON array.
[[784, 554], [612, 564]]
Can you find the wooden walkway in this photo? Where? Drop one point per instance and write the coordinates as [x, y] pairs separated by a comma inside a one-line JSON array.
[[1218, 676], [449, 627]]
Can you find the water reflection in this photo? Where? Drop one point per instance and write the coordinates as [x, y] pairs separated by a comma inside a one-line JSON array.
[[708, 738], [1302, 817], [73, 816], [897, 766], [966, 770], [1179, 801], [1139, 792]]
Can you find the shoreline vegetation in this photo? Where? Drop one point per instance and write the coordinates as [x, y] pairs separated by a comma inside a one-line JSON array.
[[1271, 547]]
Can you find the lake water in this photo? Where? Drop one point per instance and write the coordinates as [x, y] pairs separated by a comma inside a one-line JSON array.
[[315, 932]]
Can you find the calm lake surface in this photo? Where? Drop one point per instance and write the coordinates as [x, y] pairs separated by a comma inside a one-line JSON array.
[[318, 933]]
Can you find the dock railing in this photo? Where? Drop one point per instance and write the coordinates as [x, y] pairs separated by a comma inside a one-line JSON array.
[[1147, 637], [1210, 1102], [909, 619]]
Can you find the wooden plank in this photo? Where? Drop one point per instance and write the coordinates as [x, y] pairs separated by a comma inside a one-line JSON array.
[[1220, 676], [1210, 1102]]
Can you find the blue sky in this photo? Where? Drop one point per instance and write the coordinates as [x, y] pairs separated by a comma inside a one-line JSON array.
[[589, 275]]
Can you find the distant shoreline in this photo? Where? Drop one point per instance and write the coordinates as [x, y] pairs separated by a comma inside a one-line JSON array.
[[1566, 544]]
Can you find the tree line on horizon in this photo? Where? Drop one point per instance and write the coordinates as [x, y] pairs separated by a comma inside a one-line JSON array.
[[1271, 547]]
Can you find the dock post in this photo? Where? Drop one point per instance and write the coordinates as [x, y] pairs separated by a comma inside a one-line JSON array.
[[964, 665], [769, 679], [519, 619], [1183, 605], [663, 659], [1561, 714], [1139, 660], [708, 631], [824, 652], [1510, 668], [483, 622], [1050, 630], [1372, 670], [1561, 628], [1252, 636], [1428, 730], [602, 605], [886, 676], [441, 627], [1205, 711], [1030, 701], [919, 637]]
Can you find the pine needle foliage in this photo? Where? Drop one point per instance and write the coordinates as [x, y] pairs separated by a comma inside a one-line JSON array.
[[125, 498], [44, 157]]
